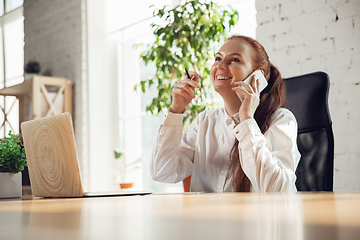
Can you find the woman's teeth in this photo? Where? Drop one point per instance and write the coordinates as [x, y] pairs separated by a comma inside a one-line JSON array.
[[223, 78]]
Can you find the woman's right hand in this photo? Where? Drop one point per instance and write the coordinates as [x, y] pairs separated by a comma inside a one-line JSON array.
[[183, 92]]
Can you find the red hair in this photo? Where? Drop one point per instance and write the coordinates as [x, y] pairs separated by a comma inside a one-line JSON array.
[[271, 99]]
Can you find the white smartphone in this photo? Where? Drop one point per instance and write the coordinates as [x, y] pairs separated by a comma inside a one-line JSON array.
[[258, 75]]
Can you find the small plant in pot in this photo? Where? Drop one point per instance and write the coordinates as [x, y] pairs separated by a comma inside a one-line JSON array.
[[32, 68], [124, 168], [12, 162]]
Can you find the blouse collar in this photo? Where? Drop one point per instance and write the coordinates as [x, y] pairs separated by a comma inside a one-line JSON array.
[[231, 119]]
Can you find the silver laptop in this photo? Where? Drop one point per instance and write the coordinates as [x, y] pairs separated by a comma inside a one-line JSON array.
[[53, 164]]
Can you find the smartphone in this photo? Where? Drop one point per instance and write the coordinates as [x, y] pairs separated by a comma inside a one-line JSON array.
[[258, 75]]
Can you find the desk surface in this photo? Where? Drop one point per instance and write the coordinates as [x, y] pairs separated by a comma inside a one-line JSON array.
[[188, 216]]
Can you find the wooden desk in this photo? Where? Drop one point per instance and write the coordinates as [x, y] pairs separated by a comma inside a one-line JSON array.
[[194, 216]]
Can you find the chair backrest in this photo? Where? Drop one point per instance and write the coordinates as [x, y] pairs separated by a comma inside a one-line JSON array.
[[307, 99]]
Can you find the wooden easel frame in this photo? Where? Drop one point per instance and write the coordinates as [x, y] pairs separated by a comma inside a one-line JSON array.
[[37, 86]]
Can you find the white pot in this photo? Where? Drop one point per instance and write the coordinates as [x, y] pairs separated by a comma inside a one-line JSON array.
[[10, 185], [29, 76]]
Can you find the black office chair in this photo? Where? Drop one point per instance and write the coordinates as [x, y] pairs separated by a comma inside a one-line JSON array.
[[307, 98]]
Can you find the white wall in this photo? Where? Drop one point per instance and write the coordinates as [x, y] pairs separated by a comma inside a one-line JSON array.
[[304, 36]]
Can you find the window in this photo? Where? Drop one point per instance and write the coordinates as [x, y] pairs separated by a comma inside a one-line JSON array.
[[11, 62], [138, 128], [12, 4]]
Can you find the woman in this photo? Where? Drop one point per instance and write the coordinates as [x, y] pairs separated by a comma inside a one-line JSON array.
[[245, 146]]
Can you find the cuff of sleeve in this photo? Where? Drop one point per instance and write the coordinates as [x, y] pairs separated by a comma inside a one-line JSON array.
[[173, 119], [245, 127]]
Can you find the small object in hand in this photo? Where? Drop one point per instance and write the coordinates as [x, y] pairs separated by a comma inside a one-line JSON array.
[[188, 75]]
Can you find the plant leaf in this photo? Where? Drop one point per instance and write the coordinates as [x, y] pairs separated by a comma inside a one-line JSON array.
[[189, 37]]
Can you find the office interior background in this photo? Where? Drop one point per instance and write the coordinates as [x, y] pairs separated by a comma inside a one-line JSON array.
[[91, 42]]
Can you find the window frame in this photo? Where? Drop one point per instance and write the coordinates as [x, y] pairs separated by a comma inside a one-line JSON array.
[[9, 107]]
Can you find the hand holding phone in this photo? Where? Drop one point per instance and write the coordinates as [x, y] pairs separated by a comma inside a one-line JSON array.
[[258, 75]]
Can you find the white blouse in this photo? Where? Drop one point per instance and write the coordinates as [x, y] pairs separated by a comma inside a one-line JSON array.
[[203, 150]]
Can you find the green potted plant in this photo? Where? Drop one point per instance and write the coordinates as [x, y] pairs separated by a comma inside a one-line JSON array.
[[12, 162], [125, 168], [186, 36], [32, 68]]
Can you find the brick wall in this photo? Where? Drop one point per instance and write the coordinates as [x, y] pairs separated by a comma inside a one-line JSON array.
[[55, 36], [303, 36]]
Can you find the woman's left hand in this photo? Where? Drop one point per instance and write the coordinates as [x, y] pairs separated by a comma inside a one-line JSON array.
[[251, 98]]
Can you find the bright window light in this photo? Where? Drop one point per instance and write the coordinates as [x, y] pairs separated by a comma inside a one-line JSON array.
[[129, 28]]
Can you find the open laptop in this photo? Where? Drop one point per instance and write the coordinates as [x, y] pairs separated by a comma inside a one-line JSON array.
[[52, 159]]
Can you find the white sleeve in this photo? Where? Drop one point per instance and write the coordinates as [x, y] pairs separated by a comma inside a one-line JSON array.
[[269, 160], [173, 151]]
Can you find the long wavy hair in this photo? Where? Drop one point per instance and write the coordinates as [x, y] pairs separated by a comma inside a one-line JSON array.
[[271, 99]]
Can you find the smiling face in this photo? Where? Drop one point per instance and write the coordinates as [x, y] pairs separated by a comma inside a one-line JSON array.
[[232, 63]]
